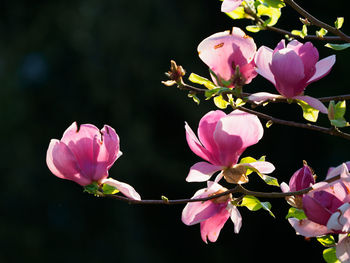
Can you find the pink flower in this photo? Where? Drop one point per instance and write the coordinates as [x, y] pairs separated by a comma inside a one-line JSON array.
[[212, 214], [222, 139], [292, 68], [84, 155], [223, 51], [301, 179], [230, 5], [327, 209]]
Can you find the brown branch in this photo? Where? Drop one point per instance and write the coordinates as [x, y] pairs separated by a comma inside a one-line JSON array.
[[314, 21]]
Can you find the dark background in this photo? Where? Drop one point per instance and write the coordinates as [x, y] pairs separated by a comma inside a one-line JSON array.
[[102, 62]]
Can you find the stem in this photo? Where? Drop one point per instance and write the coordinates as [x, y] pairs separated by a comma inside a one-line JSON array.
[[313, 20]]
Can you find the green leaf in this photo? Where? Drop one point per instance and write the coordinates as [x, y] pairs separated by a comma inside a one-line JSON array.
[[329, 255], [269, 179], [108, 189], [194, 97], [238, 13], [220, 102], [322, 32], [217, 91], [247, 160], [296, 213], [201, 80], [326, 241], [273, 14], [254, 204], [336, 113], [339, 22], [253, 28], [301, 33], [309, 113], [269, 124], [91, 188], [337, 46], [274, 3]]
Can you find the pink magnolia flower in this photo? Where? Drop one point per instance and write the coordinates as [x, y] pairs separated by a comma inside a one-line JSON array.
[[84, 155], [291, 69], [222, 139], [212, 214], [223, 51], [230, 5], [301, 179], [327, 209]]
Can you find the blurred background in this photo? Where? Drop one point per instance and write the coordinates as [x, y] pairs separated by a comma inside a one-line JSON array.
[[102, 62]]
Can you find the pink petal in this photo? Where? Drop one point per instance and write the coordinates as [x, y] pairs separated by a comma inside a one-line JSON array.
[[196, 146], [196, 212], [337, 170], [343, 249], [323, 67], [223, 51], [262, 167], [313, 102], [206, 130], [230, 5], [261, 97], [315, 211], [280, 45], [210, 228], [234, 133], [340, 220], [263, 59], [62, 163], [201, 172], [284, 187], [288, 70], [235, 216], [308, 228], [124, 188]]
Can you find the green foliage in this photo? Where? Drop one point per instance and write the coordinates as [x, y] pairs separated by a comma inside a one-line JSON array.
[[221, 103], [326, 241], [274, 3], [254, 204], [272, 13], [309, 113], [91, 188], [296, 213], [339, 22], [338, 46], [329, 255], [201, 80], [194, 97], [322, 32], [267, 179], [302, 33], [336, 114], [108, 189]]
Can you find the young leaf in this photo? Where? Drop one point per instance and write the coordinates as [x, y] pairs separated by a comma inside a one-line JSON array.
[[238, 13], [194, 97], [339, 22], [201, 80], [108, 189], [273, 14], [220, 102], [274, 3], [329, 255], [91, 188], [322, 32], [337, 46], [309, 113], [296, 213], [326, 241], [253, 28], [336, 114], [253, 204]]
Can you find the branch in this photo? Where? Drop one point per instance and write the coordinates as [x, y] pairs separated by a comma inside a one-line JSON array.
[[237, 189], [313, 20]]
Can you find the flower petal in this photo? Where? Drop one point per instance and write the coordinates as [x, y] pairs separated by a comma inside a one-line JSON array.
[[323, 67], [288, 70], [308, 228], [201, 172], [230, 5], [210, 228], [262, 167], [62, 163], [343, 249], [124, 188], [261, 97], [234, 133], [313, 102], [235, 216], [340, 220], [263, 59]]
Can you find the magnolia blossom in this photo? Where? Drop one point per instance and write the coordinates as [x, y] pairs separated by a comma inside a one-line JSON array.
[[327, 209], [291, 69], [224, 51], [211, 214], [222, 139], [85, 154], [230, 5], [301, 179]]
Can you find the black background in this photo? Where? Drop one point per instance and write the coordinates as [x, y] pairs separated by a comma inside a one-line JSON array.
[[102, 62]]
